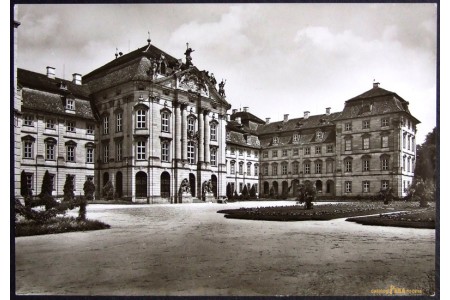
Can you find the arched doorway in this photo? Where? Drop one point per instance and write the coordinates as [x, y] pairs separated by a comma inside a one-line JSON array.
[[141, 184], [330, 187], [192, 183], [319, 186], [275, 187], [294, 185], [119, 188], [165, 185], [214, 184], [284, 188], [105, 178], [266, 188]]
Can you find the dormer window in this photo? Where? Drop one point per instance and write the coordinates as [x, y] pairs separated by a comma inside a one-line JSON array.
[[319, 135], [296, 138], [275, 140], [70, 104]]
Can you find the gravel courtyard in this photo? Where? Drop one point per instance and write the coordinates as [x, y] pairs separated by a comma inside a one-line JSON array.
[[189, 249]]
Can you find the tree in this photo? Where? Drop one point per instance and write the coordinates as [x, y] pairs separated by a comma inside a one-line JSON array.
[[47, 184], [426, 157], [245, 192], [108, 191], [422, 191], [68, 189], [24, 190], [306, 194], [253, 192], [89, 189]]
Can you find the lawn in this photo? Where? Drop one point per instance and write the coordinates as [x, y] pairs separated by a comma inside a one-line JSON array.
[[423, 218], [320, 212], [56, 225]]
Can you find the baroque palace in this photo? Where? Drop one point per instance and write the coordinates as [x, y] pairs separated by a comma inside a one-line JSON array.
[[154, 126]]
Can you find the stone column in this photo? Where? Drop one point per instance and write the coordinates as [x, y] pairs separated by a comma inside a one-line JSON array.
[[207, 138], [178, 137], [183, 133], [201, 142]]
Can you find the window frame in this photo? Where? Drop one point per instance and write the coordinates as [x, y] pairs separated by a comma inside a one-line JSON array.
[[165, 151], [213, 132], [141, 150], [119, 125], [165, 121], [70, 153], [141, 119], [191, 152]]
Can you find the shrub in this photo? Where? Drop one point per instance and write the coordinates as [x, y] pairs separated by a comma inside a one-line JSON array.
[[307, 194], [89, 189], [253, 192], [245, 194], [47, 184], [108, 191], [422, 191]]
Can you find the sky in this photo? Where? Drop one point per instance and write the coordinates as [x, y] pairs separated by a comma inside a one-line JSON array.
[[276, 58]]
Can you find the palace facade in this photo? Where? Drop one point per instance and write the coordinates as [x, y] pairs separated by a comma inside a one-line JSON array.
[[148, 122]]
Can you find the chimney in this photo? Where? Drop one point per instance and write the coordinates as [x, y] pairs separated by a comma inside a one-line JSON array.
[[51, 72], [238, 119], [328, 110], [306, 115], [245, 108], [376, 84], [286, 118], [267, 120], [234, 111], [76, 78]]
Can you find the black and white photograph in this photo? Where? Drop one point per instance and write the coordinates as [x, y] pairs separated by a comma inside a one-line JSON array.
[[225, 149]]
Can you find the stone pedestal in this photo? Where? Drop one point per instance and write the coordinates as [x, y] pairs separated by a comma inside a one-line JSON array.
[[186, 197], [209, 197]]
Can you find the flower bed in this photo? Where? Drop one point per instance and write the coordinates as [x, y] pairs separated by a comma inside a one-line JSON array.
[[425, 218]]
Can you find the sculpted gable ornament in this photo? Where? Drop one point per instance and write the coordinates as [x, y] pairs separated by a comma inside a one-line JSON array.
[[191, 82]]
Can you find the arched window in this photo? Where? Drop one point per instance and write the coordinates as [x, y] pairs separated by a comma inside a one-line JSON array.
[[28, 146], [191, 152], [141, 119], [70, 151]]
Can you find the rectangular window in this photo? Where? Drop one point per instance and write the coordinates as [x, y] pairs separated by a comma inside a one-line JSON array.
[[318, 168], [119, 151], [141, 120], [306, 168], [284, 169], [366, 143], [89, 155], [384, 184], [213, 154], [191, 125], [233, 151], [256, 170], [385, 141], [70, 104], [249, 153], [106, 125], [165, 122], [274, 153], [50, 124], [384, 122], [348, 145], [241, 169], [265, 154], [119, 122], [70, 126], [318, 149], [348, 186], [295, 151], [232, 168], [348, 166], [49, 151], [30, 180], [165, 152], [284, 152], [366, 186], [409, 143], [366, 124], [249, 169], [241, 153], [241, 185], [28, 120], [329, 148], [28, 149], [307, 150], [266, 170], [141, 153], [191, 152], [365, 165], [70, 153], [213, 132], [404, 141], [384, 164], [89, 129], [274, 169], [295, 168], [106, 153], [348, 126]]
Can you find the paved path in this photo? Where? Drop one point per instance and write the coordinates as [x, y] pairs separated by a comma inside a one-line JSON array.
[[189, 249]]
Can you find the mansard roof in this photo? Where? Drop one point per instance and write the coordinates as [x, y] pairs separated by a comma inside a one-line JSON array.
[[245, 115], [237, 134], [315, 121], [42, 82], [376, 101], [151, 52]]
